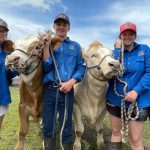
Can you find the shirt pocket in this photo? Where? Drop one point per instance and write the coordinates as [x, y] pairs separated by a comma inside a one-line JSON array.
[[70, 57], [140, 59], [70, 53], [139, 64]]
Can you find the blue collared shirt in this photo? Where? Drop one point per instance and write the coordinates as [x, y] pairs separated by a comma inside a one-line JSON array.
[[68, 60], [136, 74], [5, 74]]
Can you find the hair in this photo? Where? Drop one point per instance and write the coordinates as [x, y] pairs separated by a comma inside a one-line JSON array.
[[8, 45]]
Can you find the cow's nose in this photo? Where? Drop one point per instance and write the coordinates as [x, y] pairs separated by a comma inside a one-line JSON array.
[[114, 64], [13, 59]]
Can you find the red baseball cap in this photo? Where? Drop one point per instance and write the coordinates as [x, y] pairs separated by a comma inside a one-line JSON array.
[[128, 26]]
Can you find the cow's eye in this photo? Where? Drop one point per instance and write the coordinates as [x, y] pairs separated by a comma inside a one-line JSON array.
[[93, 56], [37, 47]]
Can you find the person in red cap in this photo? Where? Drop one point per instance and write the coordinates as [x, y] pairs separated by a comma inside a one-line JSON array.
[[132, 86], [6, 46]]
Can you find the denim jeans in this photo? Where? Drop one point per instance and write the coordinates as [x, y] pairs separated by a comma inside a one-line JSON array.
[[54, 102]]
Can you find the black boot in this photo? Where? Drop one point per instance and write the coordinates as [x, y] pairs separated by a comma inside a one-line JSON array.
[[49, 144], [115, 145], [68, 146]]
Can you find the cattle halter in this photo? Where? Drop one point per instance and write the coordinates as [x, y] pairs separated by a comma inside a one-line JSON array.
[[27, 65], [98, 67]]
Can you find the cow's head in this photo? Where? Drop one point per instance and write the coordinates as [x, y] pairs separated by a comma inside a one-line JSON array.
[[100, 61], [27, 55]]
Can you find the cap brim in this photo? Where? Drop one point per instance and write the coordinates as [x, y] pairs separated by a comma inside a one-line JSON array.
[[61, 19], [129, 30]]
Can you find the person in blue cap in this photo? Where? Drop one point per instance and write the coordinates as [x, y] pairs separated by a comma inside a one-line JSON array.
[[59, 82], [6, 46], [132, 86]]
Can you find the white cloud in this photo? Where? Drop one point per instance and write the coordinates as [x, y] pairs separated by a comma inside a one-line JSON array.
[[106, 33], [20, 27], [43, 4]]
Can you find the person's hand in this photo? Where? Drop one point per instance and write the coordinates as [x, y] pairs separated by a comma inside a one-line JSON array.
[[131, 96], [47, 38], [118, 43], [67, 86]]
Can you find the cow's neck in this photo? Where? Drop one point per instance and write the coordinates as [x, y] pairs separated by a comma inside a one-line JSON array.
[[94, 88], [93, 83], [34, 77]]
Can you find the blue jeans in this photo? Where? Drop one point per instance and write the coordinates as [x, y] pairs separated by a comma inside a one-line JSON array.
[[54, 101]]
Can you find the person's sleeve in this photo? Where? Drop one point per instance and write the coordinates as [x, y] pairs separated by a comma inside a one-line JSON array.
[[144, 83], [47, 64], [116, 53], [80, 67], [10, 75]]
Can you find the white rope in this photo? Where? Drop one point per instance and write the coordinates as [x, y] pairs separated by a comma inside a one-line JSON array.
[[126, 115], [65, 112], [64, 121]]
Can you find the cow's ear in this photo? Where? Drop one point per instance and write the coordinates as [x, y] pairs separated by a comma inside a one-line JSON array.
[[55, 42], [83, 52]]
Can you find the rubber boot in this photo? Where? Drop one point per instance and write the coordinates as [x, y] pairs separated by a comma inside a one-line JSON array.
[[68, 146], [49, 144], [115, 146]]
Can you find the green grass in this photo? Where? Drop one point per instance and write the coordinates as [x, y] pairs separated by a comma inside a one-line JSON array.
[[33, 141]]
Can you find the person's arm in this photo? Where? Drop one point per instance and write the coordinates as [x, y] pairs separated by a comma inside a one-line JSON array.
[[10, 75], [118, 43], [80, 67], [46, 52], [47, 60]]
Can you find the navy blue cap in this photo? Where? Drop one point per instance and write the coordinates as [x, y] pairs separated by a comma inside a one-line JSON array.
[[63, 17]]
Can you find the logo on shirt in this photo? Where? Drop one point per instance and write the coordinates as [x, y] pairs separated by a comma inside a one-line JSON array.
[[71, 47], [141, 53]]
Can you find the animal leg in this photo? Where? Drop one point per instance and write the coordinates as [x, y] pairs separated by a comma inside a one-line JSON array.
[[24, 126], [99, 129], [79, 127]]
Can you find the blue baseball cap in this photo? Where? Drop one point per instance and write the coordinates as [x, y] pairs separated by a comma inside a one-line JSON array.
[[62, 16]]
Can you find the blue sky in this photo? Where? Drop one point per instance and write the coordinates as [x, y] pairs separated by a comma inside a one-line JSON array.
[[90, 19]]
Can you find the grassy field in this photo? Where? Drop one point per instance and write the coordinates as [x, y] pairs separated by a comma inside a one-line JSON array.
[[33, 141]]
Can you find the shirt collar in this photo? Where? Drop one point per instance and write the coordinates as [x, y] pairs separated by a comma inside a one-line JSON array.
[[135, 46], [67, 39]]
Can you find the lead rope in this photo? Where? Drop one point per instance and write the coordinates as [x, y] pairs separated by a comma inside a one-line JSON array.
[[65, 111], [126, 115]]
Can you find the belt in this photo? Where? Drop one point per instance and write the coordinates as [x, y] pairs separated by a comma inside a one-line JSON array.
[[53, 84]]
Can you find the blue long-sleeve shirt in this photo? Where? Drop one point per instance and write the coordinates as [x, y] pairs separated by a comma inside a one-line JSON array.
[[68, 60], [136, 74], [5, 75]]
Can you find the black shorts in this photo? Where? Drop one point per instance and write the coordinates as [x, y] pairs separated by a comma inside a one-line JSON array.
[[144, 113]]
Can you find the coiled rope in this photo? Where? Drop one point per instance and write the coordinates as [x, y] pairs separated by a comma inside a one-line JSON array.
[[126, 114]]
